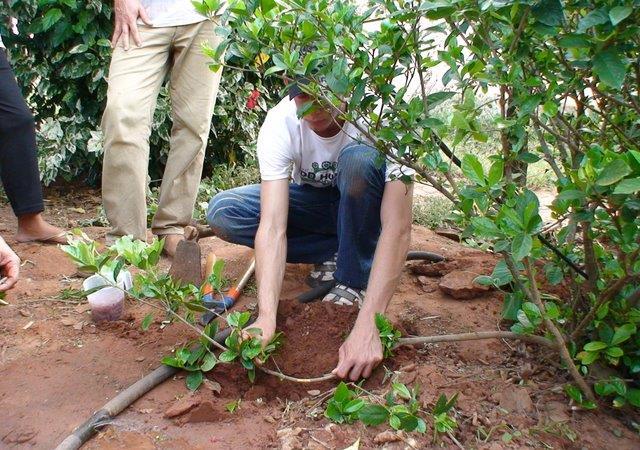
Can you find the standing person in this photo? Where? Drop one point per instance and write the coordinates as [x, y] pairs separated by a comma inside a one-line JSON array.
[[19, 162], [346, 212], [154, 40]]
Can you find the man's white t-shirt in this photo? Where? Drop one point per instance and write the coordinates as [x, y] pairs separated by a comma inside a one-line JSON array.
[[171, 13], [288, 147]]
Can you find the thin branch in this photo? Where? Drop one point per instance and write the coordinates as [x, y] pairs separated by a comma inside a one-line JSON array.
[[560, 342], [474, 336]]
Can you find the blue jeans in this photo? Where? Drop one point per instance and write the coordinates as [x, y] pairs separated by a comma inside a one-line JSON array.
[[344, 218]]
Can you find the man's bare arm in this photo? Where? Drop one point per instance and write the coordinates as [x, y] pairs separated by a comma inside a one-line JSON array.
[[271, 252], [362, 350]]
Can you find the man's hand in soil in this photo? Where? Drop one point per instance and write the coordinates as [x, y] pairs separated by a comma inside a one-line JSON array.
[[9, 266], [361, 352], [127, 13], [266, 326]]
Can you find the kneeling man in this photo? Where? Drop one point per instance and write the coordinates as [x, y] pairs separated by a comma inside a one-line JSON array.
[[346, 211]]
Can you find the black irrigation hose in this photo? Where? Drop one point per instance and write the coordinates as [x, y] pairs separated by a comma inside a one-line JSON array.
[[324, 288], [122, 401]]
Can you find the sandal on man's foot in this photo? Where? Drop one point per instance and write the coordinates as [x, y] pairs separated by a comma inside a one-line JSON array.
[[344, 295], [322, 273]]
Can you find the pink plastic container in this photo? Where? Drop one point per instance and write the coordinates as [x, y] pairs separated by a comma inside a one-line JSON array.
[[106, 304]]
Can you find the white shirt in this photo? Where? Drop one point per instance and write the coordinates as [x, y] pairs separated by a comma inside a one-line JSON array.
[[171, 13], [287, 146]]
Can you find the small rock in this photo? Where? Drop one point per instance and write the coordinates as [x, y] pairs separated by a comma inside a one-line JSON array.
[[213, 386], [78, 326], [181, 407], [289, 438], [459, 284], [408, 368], [24, 313], [449, 233], [205, 412], [313, 392], [140, 359], [67, 321], [269, 419], [20, 436], [515, 400], [82, 308], [386, 437], [557, 412]]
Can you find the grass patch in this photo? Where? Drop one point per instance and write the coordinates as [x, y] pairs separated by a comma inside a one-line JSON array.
[[431, 212]]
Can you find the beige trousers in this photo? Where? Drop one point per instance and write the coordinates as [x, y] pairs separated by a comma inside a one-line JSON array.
[[135, 79]]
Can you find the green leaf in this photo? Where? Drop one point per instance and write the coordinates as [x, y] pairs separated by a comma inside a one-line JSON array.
[[614, 352], [228, 356], [495, 173], [623, 333], [395, 422], [51, 18], [208, 362], [633, 397], [549, 12], [401, 390], [146, 322], [436, 98], [472, 168], [485, 227], [609, 66], [342, 393], [511, 306], [596, 17], [628, 186], [613, 172], [373, 415], [595, 346], [571, 194], [619, 13], [521, 246], [354, 406], [267, 5], [575, 41], [194, 380]]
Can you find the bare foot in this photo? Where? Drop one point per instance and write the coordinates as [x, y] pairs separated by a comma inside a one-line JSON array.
[[33, 228], [171, 243]]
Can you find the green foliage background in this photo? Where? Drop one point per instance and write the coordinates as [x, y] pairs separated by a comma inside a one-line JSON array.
[[61, 59]]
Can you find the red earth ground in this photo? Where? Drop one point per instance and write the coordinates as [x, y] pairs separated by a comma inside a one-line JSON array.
[[57, 366]]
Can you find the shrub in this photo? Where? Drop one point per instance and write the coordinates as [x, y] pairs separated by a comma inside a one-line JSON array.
[[565, 78]]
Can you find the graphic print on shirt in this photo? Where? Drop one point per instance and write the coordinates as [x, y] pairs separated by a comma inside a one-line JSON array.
[[324, 173]]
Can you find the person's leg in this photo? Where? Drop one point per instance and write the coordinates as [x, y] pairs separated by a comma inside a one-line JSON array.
[[193, 88], [234, 215], [19, 161], [135, 78], [361, 181]]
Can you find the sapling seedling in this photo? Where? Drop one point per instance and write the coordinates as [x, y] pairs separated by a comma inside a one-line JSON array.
[[389, 336], [400, 409], [244, 344], [196, 359], [442, 422]]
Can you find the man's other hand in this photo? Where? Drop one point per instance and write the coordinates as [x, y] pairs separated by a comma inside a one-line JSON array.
[[9, 266], [127, 13], [360, 353]]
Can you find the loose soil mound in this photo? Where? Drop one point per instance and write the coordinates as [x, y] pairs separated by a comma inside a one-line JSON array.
[[313, 335]]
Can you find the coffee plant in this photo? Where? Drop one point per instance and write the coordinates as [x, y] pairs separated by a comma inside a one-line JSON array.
[[559, 81], [399, 407]]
